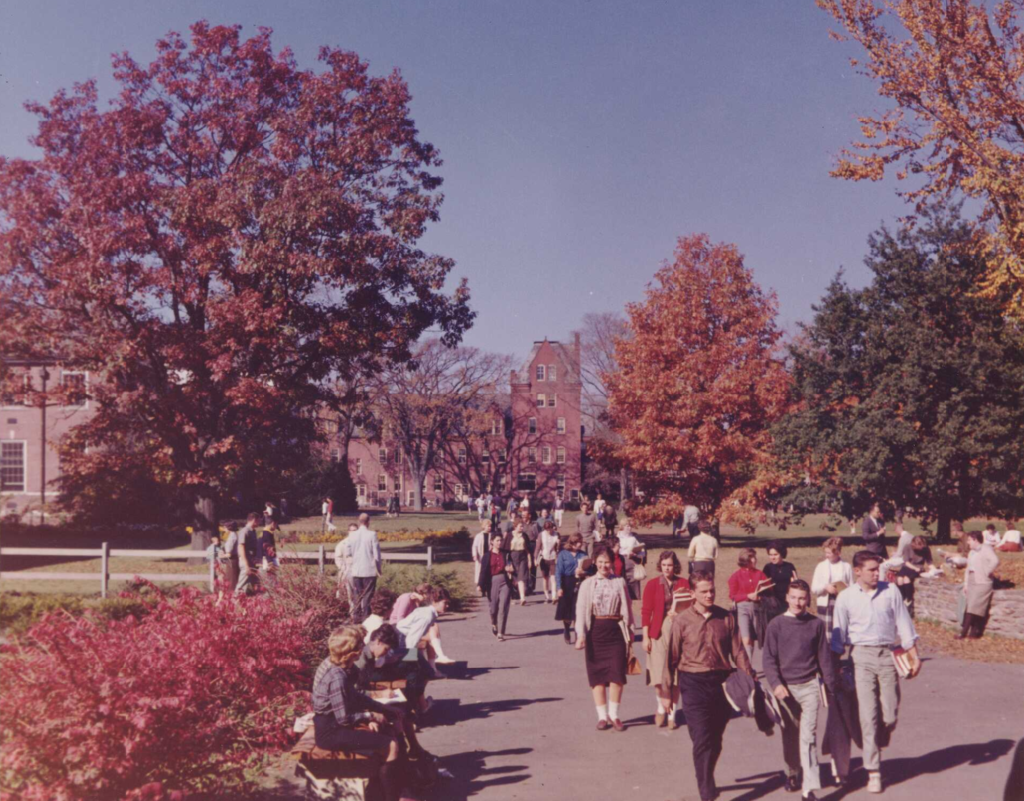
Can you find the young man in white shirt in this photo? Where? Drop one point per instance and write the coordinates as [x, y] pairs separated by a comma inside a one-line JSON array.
[[419, 630], [703, 550], [1010, 542], [364, 548], [479, 550]]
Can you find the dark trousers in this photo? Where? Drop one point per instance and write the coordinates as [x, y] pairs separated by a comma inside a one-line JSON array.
[[707, 713], [362, 591], [501, 599]]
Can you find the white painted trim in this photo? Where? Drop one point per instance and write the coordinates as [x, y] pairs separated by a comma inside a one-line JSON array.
[[24, 469]]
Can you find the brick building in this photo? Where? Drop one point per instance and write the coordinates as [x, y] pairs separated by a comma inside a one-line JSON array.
[[29, 458], [534, 445]]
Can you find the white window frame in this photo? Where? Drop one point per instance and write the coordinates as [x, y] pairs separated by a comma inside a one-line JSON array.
[[532, 425], [458, 490], [497, 427], [560, 455], [560, 425], [552, 401], [485, 456], [531, 456], [382, 478], [463, 456], [382, 455], [560, 483], [545, 454], [85, 388], [397, 485], [410, 497], [552, 373], [539, 372], [359, 466], [24, 465], [361, 491], [541, 400], [335, 454], [438, 483], [26, 388], [503, 456], [519, 482]]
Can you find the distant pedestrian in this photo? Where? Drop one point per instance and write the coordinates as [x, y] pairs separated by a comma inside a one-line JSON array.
[[569, 571], [831, 576], [691, 520], [978, 586], [664, 596], [518, 546], [496, 577], [604, 631], [873, 531], [229, 553], [781, 573], [546, 554], [559, 511], [703, 550], [479, 549], [586, 527], [343, 561], [364, 548], [744, 586], [327, 511], [248, 551]]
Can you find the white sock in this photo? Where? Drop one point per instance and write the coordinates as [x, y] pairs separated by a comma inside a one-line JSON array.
[[661, 708], [602, 712], [435, 643], [613, 710]]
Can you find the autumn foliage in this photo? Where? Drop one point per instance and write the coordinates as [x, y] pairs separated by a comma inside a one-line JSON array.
[[699, 381], [955, 71], [230, 234], [183, 698]]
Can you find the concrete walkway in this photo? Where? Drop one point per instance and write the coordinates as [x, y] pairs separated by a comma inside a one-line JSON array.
[[521, 726]]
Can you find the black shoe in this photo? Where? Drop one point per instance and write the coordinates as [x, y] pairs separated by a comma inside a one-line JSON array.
[[793, 783], [811, 797], [494, 629]]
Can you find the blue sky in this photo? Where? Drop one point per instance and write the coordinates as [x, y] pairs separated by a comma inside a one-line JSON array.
[[580, 139]]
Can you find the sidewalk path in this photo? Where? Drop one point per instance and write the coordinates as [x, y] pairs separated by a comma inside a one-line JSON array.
[[522, 727]]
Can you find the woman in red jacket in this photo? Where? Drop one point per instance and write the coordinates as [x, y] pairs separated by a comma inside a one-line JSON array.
[[743, 591], [656, 615]]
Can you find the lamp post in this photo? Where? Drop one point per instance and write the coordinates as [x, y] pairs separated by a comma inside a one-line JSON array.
[[44, 376]]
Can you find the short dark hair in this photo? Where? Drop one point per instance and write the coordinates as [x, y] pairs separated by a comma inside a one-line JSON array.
[[675, 560], [777, 546], [253, 516], [386, 634], [991, 527], [704, 526], [440, 594], [977, 536], [698, 576], [549, 525], [862, 557], [799, 584]]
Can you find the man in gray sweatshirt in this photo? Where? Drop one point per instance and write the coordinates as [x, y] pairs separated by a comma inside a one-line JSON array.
[[797, 650]]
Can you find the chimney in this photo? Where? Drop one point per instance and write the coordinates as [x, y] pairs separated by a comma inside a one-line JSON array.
[[576, 346]]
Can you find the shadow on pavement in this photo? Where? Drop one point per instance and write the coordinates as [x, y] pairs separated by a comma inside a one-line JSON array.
[[472, 774], [545, 633], [452, 710]]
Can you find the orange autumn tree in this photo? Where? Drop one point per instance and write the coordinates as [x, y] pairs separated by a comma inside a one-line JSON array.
[[954, 70], [699, 382]]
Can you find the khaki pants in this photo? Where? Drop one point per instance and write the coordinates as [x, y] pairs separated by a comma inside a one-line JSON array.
[[878, 688], [800, 737]]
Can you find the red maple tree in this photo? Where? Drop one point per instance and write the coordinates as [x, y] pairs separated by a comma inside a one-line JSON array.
[[699, 380], [233, 232]]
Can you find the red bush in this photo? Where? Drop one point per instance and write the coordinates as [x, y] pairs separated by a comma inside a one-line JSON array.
[[183, 698]]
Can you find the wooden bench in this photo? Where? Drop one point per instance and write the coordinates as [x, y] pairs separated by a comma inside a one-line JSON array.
[[334, 775]]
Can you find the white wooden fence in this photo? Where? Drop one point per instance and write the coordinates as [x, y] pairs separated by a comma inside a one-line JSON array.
[[105, 552]]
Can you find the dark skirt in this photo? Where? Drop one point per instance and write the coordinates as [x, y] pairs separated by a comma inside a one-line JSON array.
[[332, 737], [606, 654], [565, 609], [521, 563], [768, 609], [230, 580]]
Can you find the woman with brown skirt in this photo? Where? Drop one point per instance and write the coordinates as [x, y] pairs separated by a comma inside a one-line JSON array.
[[604, 631], [661, 596]]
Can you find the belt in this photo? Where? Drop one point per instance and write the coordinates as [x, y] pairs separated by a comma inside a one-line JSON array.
[[607, 617]]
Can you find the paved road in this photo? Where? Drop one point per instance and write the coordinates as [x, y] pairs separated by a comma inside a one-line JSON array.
[[521, 726]]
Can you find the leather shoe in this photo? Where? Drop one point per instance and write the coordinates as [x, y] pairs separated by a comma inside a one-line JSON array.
[[603, 725], [792, 783], [811, 797], [618, 725]]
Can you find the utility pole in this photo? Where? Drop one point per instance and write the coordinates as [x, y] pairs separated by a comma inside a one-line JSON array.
[[45, 375]]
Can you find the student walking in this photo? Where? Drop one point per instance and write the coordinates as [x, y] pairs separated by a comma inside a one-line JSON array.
[[780, 573], [568, 573], [797, 651], [496, 573], [662, 596], [870, 617], [703, 645], [546, 554], [703, 550], [518, 546], [831, 576], [586, 527], [248, 555], [327, 513], [978, 587], [559, 511], [364, 548], [604, 631], [743, 590], [479, 549]]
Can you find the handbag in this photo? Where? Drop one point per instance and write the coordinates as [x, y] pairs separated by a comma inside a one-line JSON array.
[[633, 666], [639, 573]]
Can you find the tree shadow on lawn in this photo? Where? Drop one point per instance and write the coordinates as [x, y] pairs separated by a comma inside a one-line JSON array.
[[894, 771], [472, 775], [451, 710]]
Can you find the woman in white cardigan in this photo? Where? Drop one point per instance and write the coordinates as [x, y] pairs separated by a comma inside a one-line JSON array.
[[828, 575], [604, 630]]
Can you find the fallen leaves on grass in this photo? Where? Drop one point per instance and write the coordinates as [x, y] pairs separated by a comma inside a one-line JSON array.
[[990, 648]]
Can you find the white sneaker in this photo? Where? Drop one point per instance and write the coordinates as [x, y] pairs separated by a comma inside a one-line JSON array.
[[874, 782], [444, 660]]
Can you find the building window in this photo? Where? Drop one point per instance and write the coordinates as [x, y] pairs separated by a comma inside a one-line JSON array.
[[497, 427], [502, 482], [458, 490], [560, 455], [540, 372], [561, 425], [15, 391], [359, 467], [398, 484], [552, 373], [12, 466], [462, 455], [560, 483], [540, 401], [438, 484], [533, 425], [74, 386], [527, 482], [382, 456], [335, 454], [546, 454], [485, 456], [574, 494], [361, 491], [410, 498], [503, 456], [382, 483], [531, 456], [551, 401]]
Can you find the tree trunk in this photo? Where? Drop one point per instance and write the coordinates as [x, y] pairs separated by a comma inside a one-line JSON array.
[[942, 532], [623, 486], [203, 527], [417, 493]]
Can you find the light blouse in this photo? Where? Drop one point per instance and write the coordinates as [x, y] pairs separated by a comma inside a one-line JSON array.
[[607, 599]]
